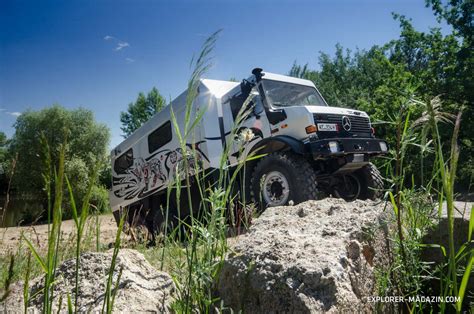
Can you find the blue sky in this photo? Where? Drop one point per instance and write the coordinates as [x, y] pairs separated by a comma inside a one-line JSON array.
[[100, 54]]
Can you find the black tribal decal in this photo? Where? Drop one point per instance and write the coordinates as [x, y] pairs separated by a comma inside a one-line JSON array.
[[146, 176]]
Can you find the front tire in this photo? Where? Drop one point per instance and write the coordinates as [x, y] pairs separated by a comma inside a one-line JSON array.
[[283, 177]]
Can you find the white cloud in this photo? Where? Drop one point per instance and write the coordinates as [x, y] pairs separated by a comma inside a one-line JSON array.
[[10, 113], [129, 60], [121, 45]]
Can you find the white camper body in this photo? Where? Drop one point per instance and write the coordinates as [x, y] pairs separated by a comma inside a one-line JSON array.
[[145, 163], [141, 167]]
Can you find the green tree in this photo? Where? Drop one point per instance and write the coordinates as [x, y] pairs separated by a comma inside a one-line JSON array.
[[443, 65], [417, 64], [3, 162], [141, 111], [3, 139], [3, 148], [87, 143]]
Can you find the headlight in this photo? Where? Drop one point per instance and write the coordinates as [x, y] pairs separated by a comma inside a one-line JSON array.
[[333, 147], [383, 146]]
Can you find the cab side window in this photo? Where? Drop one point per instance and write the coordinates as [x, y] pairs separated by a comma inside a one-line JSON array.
[[124, 162], [237, 102], [159, 137]]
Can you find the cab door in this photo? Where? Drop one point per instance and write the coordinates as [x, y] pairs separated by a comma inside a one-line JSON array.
[[253, 128]]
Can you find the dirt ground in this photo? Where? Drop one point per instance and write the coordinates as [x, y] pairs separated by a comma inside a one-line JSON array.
[[38, 234]]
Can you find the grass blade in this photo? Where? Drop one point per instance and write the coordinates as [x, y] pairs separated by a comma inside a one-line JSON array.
[[107, 306], [73, 203], [392, 199], [464, 281], [69, 304], [9, 278], [26, 284], [36, 255], [471, 225], [114, 293], [442, 248]]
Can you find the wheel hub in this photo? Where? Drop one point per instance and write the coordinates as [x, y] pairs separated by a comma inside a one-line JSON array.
[[275, 189]]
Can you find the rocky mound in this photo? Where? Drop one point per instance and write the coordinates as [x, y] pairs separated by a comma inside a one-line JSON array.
[[316, 256], [141, 288], [439, 235]]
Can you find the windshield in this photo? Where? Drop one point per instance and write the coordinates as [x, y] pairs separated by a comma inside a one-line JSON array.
[[283, 94]]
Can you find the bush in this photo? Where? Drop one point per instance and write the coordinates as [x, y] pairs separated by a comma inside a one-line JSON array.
[[100, 199], [38, 134]]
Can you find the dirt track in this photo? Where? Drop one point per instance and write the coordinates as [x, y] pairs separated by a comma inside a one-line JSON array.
[[38, 234]]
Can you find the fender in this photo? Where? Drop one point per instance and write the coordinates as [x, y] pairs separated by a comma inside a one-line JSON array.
[[277, 143]]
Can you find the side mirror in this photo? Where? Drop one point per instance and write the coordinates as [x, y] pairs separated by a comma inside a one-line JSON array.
[[276, 115]]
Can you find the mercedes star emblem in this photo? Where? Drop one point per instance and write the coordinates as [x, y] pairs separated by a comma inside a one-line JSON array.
[[346, 123]]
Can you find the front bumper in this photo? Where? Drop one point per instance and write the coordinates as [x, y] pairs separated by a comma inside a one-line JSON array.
[[334, 147]]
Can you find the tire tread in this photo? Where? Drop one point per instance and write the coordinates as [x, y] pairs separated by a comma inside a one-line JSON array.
[[304, 174]]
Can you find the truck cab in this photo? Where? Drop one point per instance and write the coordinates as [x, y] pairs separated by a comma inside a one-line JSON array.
[[297, 127]]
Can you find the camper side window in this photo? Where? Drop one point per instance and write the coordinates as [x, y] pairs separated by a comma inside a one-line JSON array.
[[159, 137], [124, 162]]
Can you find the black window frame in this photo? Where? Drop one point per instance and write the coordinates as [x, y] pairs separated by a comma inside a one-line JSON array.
[[164, 127], [122, 169]]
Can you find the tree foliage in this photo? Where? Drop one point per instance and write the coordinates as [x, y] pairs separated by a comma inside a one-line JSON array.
[[3, 160], [87, 143], [417, 64], [3, 147], [141, 111], [3, 139]]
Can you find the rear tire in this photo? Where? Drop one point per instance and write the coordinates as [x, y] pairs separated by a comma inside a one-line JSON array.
[[348, 188], [365, 183], [371, 181], [282, 177]]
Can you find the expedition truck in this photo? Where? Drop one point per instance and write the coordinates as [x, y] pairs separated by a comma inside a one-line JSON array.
[[309, 148]]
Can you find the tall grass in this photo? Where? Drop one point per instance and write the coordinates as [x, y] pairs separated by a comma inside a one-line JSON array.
[[402, 140], [109, 293], [204, 244], [80, 222], [447, 176], [413, 206], [49, 262]]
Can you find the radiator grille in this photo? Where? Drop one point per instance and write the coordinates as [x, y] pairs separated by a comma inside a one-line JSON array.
[[358, 124]]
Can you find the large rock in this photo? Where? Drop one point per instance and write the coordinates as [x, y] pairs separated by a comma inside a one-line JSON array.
[[316, 256], [141, 289], [439, 235]]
